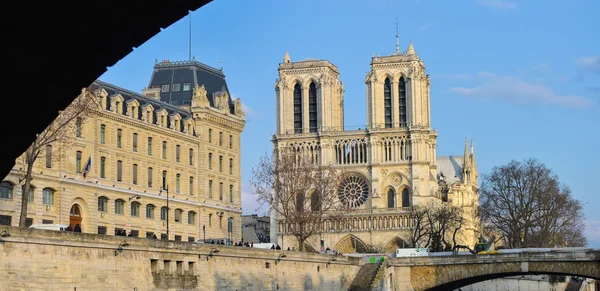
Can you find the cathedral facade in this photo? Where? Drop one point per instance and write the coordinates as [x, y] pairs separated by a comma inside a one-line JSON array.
[[163, 163], [391, 163]]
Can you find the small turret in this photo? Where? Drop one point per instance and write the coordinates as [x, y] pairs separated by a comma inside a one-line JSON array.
[[466, 163], [286, 57], [411, 49], [474, 172]]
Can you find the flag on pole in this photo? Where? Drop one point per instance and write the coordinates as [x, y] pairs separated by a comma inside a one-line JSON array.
[[88, 166]]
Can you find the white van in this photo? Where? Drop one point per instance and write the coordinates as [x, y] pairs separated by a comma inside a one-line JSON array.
[[57, 227], [420, 252]]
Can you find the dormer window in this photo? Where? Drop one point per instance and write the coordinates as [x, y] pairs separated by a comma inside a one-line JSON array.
[[187, 86], [165, 88], [176, 88]]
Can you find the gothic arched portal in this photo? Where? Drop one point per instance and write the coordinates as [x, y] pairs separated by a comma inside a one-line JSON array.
[[351, 244]]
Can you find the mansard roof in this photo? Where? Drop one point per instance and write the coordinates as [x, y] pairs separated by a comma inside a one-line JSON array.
[[144, 101], [451, 167], [188, 72]]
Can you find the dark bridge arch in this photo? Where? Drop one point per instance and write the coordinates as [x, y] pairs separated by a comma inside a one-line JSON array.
[[61, 47], [476, 279]]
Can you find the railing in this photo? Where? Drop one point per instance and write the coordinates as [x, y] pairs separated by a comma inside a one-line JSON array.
[[360, 220], [356, 129]]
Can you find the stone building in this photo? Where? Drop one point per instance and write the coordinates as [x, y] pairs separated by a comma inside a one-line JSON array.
[[256, 228], [391, 162], [178, 143]]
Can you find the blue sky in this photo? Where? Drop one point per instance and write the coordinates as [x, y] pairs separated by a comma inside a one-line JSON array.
[[521, 78]]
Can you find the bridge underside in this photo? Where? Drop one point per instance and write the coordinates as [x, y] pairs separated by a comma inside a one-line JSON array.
[[453, 276]]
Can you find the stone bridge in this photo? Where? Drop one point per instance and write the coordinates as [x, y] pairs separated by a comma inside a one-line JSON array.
[[452, 272]]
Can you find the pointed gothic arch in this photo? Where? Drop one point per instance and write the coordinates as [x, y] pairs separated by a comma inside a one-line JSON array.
[[406, 193], [402, 104], [391, 197], [351, 244], [393, 244], [387, 102], [298, 107], [313, 119]]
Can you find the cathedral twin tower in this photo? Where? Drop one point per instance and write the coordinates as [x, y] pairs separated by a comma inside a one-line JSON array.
[[392, 161]]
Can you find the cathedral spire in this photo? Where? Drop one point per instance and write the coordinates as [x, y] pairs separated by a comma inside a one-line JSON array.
[[286, 57], [411, 49], [466, 162]]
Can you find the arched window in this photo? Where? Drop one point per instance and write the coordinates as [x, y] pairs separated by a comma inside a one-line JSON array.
[[150, 211], [391, 197], [6, 190], [135, 209], [312, 107], [387, 102], [315, 201], [192, 217], [163, 213], [102, 204], [48, 196], [402, 101], [300, 202], [405, 198], [297, 109], [178, 213], [119, 206]]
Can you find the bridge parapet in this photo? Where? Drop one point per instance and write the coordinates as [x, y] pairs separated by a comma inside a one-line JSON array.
[[455, 271]]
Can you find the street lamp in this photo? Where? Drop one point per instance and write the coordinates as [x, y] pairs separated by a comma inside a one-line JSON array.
[[212, 253], [166, 189], [134, 197], [120, 247], [281, 256]]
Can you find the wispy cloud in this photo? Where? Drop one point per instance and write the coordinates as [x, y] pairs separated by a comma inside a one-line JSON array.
[[498, 4], [592, 231], [516, 90], [544, 67], [249, 202], [426, 26], [249, 111], [589, 63]]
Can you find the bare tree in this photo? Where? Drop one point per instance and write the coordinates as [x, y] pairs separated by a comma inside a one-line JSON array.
[[301, 191], [435, 226], [59, 135], [530, 207]]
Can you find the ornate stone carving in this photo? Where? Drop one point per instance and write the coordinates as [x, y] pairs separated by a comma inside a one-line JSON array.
[[237, 107], [396, 180], [221, 100], [383, 172], [199, 97]]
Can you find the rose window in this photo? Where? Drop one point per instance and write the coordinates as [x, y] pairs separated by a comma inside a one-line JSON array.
[[353, 191]]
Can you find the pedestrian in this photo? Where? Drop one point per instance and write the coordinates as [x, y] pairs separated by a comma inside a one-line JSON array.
[[69, 228], [77, 228]]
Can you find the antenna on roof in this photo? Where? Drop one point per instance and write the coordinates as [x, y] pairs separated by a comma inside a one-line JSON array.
[[190, 35], [397, 43]]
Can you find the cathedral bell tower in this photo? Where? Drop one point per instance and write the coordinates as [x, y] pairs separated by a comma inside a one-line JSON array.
[[309, 97]]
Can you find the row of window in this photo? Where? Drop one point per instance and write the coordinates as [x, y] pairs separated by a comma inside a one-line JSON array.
[[210, 191], [149, 145], [136, 206], [134, 175], [176, 87], [6, 192], [210, 156], [220, 138]]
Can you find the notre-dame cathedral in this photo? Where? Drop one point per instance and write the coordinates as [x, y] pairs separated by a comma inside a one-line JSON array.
[[391, 162]]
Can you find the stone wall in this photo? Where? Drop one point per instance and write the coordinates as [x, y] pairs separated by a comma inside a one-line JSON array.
[[516, 283], [51, 260]]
